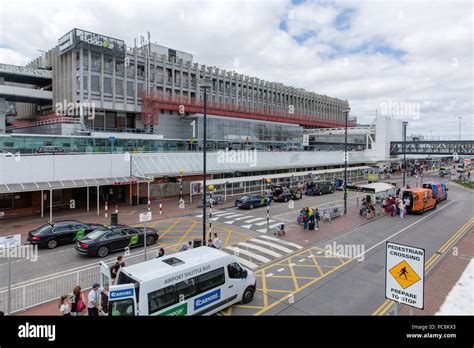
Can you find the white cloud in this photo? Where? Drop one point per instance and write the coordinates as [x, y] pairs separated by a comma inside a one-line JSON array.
[[436, 70]]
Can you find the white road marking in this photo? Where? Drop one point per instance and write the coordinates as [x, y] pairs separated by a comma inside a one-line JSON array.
[[255, 219], [273, 245], [275, 225], [233, 216], [264, 230], [282, 241], [264, 222], [247, 226], [229, 222], [301, 260], [269, 274], [248, 253], [243, 218], [280, 270], [259, 248], [403, 229], [245, 262]]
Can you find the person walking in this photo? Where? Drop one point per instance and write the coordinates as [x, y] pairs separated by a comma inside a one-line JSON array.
[[78, 304], [93, 297], [64, 307], [317, 217], [216, 241], [306, 218], [160, 253]]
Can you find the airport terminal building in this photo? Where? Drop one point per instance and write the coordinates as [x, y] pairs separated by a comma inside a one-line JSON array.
[[129, 122]]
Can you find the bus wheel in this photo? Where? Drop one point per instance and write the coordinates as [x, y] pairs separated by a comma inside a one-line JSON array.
[[248, 295]]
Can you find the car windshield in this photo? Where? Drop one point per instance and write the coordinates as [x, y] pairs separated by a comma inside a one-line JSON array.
[[97, 234], [244, 198], [42, 229]]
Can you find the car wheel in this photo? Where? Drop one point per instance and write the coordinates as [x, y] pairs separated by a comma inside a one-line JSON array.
[[103, 251], [52, 243], [248, 295], [251, 206], [150, 240]]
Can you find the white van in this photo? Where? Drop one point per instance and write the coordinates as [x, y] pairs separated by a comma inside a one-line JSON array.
[[199, 281]]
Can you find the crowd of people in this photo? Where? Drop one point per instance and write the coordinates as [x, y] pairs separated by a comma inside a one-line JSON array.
[[396, 206], [310, 218]]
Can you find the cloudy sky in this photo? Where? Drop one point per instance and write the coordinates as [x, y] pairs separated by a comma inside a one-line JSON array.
[[412, 59]]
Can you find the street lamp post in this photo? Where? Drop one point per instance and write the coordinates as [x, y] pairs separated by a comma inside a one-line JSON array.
[[205, 87], [211, 191], [268, 180], [345, 161], [404, 151], [460, 118]]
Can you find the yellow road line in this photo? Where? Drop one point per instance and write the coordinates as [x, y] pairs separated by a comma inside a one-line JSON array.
[[293, 276], [186, 233], [301, 288], [428, 264], [264, 289], [170, 227]]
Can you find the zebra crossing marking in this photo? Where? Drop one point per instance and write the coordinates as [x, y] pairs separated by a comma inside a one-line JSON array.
[[249, 253], [263, 223], [261, 249], [255, 219], [283, 242], [247, 226], [246, 263], [244, 217], [273, 245], [264, 230]]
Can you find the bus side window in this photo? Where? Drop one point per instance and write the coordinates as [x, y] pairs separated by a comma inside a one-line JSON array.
[[185, 289], [160, 299]]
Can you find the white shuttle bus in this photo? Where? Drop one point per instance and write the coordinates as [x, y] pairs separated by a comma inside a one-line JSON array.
[[199, 281]]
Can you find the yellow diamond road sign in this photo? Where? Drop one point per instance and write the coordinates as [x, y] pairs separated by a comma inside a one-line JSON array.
[[404, 274]]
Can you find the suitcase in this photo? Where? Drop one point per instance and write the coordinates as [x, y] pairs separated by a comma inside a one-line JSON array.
[[311, 226]]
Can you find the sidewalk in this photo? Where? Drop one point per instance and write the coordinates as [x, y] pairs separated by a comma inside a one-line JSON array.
[[128, 215]]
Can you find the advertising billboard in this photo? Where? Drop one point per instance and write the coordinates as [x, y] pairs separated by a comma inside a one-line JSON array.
[[78, 38]]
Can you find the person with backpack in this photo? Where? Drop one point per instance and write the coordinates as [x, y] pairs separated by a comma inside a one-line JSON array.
[[78, 305]]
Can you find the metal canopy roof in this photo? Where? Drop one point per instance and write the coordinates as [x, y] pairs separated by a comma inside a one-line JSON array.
[[277, 176], [54, 185]]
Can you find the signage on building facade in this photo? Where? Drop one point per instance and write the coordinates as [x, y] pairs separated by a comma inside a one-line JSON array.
[[77, 38]]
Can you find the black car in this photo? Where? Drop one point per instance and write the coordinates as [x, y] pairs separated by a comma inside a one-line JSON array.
[[105, 240], [252, 201], [319, 188], [51, 235], [284, 194]]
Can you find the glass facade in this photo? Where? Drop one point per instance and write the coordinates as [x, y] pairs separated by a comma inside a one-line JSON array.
[[230, 130], [27, 144]]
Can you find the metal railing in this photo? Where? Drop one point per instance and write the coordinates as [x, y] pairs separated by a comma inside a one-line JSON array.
[[42, 290]]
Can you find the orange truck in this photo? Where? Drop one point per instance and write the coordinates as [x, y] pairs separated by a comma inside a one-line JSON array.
[[421, 200]]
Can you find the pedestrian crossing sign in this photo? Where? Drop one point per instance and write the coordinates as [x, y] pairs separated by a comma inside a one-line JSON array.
[[404, 274]]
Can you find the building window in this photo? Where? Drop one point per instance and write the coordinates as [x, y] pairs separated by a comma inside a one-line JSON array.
[[95, 84], [107, 85], [108, 66], [95, 63], [119, 68], [118, 86], [6, 201], [130, 91]]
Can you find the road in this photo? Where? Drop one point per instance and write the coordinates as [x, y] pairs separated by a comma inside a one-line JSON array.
[[322, 284]]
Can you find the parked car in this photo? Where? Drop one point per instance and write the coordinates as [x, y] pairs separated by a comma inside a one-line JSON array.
[[283, 194], [252, 201], [105, 240], [319, 188], [5, 153], [216, 199], [51, 235], [50, 150]]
